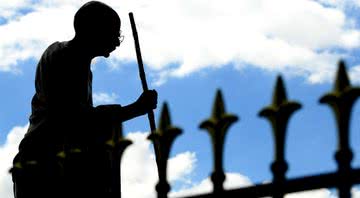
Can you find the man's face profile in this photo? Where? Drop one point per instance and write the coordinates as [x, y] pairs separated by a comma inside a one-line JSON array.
[[98, 26], [106, 40]]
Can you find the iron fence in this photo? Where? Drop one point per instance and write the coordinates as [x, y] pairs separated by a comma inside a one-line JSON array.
[[340, 100]]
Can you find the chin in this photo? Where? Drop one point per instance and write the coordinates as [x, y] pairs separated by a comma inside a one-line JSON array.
[[105, 54]]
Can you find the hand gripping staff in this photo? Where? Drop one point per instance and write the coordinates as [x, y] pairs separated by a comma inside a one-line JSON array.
[[143, 79]]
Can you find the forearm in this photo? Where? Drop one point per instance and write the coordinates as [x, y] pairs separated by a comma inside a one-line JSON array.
[[117, 113], [131, 111], [146, 102]]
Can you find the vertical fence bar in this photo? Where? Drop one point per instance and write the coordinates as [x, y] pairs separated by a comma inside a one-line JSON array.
[[217, 126], [341, 101], [164, 136], [279, 114], [117, 145]]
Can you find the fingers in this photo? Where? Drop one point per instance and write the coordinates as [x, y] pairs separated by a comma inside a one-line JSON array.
[[152, 99], [148, 100]]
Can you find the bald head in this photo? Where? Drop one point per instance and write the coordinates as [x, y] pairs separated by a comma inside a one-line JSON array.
[[95, 17]]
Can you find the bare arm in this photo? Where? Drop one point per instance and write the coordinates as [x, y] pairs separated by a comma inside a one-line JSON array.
[[145, 103]]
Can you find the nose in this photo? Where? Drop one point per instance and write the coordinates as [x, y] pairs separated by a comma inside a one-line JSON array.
[[118, 40]]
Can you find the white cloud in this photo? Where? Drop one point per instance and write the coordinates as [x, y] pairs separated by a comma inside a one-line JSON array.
[[321, 193], [354, 73], [28, 36], [7, 153], [104, 98], [236, 180], [139, 168], [355, 193], [342, 3], [8, 8], [296, 37], [233, 180], [181, 166]]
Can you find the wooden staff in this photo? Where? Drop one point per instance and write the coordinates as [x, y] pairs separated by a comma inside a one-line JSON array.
[[143, 77]]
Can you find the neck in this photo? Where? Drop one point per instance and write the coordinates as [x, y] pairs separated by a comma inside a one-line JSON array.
[[82, 47]]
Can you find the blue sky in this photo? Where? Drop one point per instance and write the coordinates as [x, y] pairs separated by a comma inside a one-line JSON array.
[[190, 50]]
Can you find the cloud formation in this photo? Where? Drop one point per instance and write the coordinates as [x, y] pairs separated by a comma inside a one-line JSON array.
[[233, 180], [139, 168], [300, 37], [104, 98], [7, 153]]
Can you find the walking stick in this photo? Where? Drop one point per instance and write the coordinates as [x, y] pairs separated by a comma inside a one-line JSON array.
[[143, 80]]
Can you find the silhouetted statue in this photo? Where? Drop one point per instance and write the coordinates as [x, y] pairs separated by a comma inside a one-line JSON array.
[[64, 124]]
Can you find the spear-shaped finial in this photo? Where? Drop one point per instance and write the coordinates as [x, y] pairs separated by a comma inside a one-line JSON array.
[[279, 96], [342, 80], [279, 113], [219, 106], [165, 120], [164, 137], [341, 101], [217, 126]]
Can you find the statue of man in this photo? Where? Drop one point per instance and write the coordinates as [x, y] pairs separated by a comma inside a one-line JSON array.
[[64, 120]]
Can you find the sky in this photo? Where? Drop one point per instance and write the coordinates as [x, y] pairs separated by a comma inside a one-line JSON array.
[[190, 49]]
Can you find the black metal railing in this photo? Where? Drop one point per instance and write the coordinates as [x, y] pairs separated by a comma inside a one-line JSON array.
[[340, 100]]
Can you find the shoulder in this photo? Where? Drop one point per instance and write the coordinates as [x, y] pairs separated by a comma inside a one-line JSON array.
[[53, 57], [54, 50]]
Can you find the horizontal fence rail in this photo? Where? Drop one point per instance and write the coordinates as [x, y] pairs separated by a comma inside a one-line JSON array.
[[326, 180]]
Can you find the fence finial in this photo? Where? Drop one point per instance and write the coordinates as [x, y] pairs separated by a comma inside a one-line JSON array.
[[217, 126], [279, 113], [279, 96], [164, 137], [341, 101], [342, 79]]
